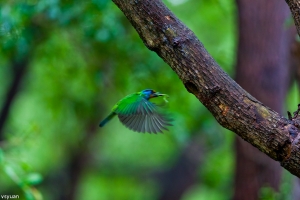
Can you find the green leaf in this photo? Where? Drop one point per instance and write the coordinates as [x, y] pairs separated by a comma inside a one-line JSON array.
[[11, 173], [33, 179]]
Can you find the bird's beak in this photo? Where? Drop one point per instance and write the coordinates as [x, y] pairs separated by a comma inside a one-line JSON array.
[[158, 94]]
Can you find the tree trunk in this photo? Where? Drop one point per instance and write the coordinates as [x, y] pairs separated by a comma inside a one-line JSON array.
[[180, 177], [18, 71], [262, 67]]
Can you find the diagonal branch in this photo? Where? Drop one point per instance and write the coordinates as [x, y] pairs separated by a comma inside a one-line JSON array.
[[231, 105], [295, 9]]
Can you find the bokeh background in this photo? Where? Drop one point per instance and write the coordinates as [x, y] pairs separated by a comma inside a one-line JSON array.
[[64, 64]]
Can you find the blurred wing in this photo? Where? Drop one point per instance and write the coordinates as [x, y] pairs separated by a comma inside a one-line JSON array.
[[143, 116]]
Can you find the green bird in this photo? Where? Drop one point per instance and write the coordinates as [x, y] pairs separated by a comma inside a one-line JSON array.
[[137, 113]]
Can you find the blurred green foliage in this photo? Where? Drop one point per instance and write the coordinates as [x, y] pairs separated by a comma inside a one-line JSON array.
[[83, 56]]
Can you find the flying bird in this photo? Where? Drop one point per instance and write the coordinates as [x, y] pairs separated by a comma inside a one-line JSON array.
[[137, 113]]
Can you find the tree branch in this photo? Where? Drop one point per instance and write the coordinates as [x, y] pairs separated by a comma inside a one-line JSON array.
[[232, 106], [295, 9]]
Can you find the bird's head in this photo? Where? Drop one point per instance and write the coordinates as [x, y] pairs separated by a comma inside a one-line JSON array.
[[148, 93]]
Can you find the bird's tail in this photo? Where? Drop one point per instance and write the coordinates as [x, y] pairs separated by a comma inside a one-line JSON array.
[[109, 117]]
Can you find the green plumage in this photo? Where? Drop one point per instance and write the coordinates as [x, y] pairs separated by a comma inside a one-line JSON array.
[[137, 113]]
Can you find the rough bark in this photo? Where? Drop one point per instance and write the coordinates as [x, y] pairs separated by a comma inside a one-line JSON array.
[[295, 9], [232, 106], [295, 75], [263, 48]]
